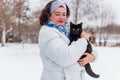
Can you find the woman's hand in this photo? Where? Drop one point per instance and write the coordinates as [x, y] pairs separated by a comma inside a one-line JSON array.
[[83, 34], [87, 59]]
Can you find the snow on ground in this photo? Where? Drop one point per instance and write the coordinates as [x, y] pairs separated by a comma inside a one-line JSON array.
[[22, 62], [107, 63]]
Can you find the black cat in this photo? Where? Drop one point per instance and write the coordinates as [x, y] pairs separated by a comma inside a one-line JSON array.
[[75, 31]]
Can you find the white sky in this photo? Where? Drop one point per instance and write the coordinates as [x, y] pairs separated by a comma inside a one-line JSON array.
[[115, 7], [34, 4]]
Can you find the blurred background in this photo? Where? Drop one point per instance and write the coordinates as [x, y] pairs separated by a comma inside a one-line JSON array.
[[19, 30], [19, 20]]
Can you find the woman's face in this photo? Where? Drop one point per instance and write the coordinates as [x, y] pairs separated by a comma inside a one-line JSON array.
[[58, 16]]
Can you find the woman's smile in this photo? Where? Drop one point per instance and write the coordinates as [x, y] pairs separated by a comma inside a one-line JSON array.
[[60, 21]]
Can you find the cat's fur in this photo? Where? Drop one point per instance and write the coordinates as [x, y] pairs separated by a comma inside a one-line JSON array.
[[75, 31]]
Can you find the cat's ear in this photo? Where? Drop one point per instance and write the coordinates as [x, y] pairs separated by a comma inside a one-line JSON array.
[[71, 23], [81, 24]]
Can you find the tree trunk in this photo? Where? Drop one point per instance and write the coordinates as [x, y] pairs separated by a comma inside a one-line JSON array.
[[76, 11], [3, 36]]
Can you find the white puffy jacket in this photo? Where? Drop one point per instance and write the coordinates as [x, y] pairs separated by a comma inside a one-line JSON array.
[[60, 59]]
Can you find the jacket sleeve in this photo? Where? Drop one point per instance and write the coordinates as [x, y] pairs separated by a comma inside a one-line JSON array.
[[59, 51]]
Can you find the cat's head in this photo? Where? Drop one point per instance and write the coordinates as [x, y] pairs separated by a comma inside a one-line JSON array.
[[75, 28]]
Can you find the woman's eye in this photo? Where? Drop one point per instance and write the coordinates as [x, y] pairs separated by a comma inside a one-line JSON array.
[[57, 14], [64, 14]]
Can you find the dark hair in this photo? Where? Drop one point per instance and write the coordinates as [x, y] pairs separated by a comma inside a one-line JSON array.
[[46, 13]]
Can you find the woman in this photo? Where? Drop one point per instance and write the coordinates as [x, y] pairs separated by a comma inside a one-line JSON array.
[[60, 60]]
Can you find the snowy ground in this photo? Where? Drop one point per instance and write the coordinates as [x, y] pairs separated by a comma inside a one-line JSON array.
[[22, 62]]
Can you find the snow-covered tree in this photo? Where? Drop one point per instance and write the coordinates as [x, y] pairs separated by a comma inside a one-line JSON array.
[[8, 13]]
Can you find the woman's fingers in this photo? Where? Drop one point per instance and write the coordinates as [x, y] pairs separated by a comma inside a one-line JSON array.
[[82, 62]]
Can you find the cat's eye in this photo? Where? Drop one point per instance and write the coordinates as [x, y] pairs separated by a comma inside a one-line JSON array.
[[73, 29]]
